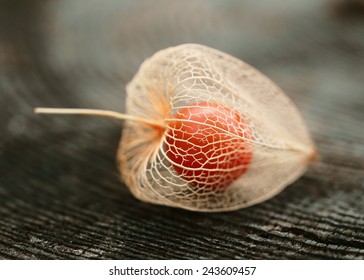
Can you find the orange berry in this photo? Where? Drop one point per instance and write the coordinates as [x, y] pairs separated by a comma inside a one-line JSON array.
[[207, 145]]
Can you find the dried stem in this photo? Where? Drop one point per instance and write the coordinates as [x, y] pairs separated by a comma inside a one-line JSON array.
[[100, 113]]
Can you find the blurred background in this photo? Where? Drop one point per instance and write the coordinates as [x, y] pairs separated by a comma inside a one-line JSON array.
[[60, 192]]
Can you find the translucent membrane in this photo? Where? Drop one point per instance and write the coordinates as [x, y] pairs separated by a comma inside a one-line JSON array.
[[221, 136]]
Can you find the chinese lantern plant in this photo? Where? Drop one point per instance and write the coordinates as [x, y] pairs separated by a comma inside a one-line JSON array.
[[205, 131]]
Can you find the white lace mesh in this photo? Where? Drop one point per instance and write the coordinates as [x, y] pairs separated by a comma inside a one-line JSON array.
[[231, 138]]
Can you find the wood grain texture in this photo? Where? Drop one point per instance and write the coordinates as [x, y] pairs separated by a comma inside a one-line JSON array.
[[60, 193]]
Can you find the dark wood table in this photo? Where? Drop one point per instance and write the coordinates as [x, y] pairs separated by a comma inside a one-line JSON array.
[[60, 192]]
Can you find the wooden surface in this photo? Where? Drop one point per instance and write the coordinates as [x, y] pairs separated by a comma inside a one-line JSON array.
[[60, 193]]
